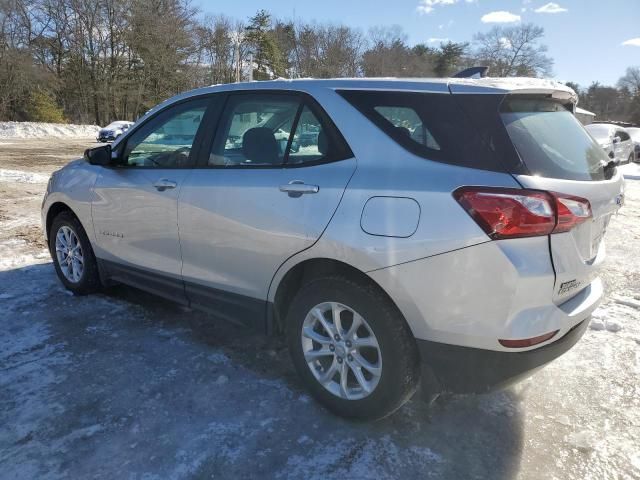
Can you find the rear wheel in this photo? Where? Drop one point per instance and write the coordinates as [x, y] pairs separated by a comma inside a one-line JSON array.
[[352, 348], [72, 255]]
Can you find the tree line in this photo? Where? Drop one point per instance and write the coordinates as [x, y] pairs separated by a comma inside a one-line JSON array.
[[93, 61]]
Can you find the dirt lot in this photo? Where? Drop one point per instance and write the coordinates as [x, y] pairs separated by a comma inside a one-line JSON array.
[[125, 385]]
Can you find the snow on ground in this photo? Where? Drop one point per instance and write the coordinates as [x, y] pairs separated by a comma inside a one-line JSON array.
[[19, 176], [631, 171], [39, 130], [126, 385]]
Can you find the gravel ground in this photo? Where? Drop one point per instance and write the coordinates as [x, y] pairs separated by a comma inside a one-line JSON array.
[[126, 385]]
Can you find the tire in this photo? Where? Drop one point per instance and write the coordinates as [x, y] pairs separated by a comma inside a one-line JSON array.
[[88, 280], [396, 352]]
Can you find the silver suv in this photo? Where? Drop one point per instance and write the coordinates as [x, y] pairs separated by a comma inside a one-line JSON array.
[[437, 233]]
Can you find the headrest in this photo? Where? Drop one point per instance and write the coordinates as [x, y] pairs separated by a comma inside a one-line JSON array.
[[260, 145]]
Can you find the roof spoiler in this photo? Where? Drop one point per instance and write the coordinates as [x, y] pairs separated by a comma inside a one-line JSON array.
[[477, 72]]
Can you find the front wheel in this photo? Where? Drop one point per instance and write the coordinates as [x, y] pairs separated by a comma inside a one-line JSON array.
[[352, 348], [72, 255]]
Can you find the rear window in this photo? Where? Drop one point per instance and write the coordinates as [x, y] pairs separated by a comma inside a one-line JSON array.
[[550, 141], [433, 126]]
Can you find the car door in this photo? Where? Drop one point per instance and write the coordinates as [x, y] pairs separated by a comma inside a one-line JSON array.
[[275, 174], [624, 146], [135, 206]]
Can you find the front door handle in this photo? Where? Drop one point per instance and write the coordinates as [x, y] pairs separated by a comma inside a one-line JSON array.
[[298, 188], [164, 184]]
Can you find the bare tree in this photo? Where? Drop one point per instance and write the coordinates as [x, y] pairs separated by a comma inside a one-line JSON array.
[[631, 81], [513, 51]]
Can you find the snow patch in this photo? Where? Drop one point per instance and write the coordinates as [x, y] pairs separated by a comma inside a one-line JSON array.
[[585, 440], [631, 171], [612, 326], [42, 130], [18, 176], [350, 458], [627, 301]]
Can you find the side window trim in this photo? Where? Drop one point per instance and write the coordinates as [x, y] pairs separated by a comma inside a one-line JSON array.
[[294, 127], [219, 108], [152, 122]]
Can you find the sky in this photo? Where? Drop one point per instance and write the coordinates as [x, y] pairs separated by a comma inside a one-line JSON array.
[[589, 40]]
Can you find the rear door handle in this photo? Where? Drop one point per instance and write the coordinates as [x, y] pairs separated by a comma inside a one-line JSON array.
[[298, 188], [164, 184]]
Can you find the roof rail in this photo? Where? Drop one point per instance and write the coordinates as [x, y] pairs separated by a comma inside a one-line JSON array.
[[477, 72]]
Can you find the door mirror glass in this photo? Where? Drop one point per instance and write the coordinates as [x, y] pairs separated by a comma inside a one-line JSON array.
[[616, 139], [99, 155]]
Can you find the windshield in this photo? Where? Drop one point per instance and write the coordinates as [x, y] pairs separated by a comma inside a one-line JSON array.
[[550, 141]]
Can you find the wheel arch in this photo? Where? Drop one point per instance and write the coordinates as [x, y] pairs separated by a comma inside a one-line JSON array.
[[301, 273], [54, 210]]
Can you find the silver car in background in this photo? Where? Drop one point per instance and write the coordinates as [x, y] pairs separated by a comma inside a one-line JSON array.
[[634, 132], [614, 139], [113, 130], [444, 234]]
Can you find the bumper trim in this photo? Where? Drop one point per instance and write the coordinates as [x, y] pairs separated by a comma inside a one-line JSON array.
[[456, 369]]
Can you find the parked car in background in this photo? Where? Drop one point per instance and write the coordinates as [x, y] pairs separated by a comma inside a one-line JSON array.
[[113, 130], [614, 139], [388, 252], [634, 132]]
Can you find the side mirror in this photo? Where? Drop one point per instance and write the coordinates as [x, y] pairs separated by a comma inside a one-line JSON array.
[[616, 140], [99, 155]]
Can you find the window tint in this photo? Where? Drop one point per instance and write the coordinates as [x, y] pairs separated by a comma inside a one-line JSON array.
[[254, 130], [310, 143], [407, 122], [623, 135], [433, 126], [166, 140], [550, 141]]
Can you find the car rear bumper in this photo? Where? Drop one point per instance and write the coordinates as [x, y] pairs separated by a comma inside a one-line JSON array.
[[456, 369], [477, 296]]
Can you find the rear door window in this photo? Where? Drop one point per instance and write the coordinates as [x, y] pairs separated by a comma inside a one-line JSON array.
[[550, 141], [275, 130], [254, 130], [315, 140]]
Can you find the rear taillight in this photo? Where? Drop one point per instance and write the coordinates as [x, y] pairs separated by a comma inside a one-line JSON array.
[[571, 211], [514, 213]]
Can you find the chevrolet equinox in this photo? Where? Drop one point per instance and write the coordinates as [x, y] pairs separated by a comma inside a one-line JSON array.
[[441, 233]]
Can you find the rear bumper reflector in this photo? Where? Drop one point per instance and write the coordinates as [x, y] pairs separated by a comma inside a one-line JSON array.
[[527, 342]]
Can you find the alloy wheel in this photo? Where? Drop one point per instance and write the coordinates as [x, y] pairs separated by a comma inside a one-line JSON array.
[[69, 254], [341, 350]]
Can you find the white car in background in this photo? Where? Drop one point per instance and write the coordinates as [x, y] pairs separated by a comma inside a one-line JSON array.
[[634, 132], [615, 140]]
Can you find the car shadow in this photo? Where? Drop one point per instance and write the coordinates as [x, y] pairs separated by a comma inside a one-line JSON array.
[[166, 389]]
